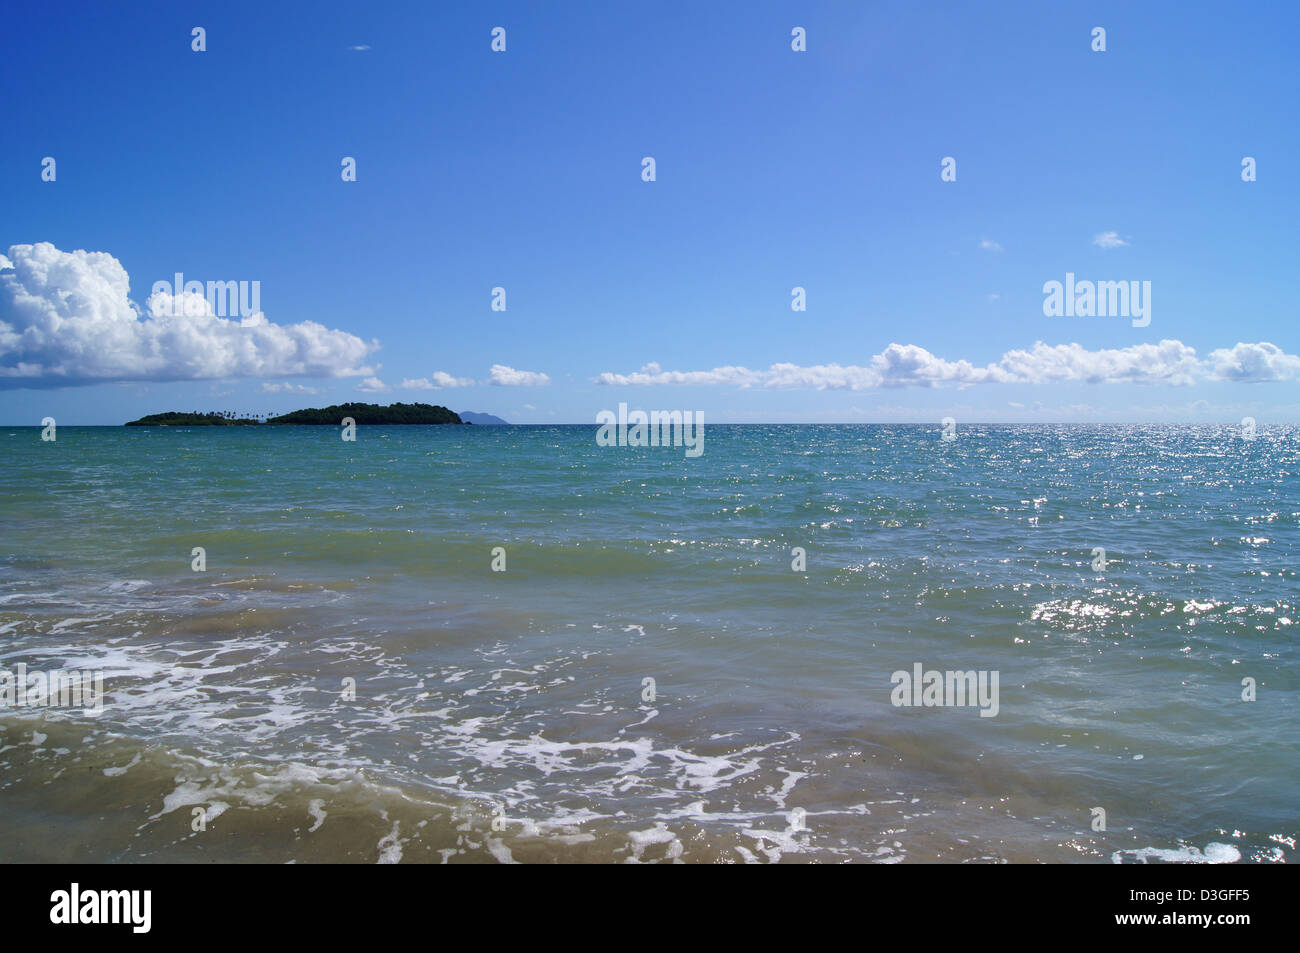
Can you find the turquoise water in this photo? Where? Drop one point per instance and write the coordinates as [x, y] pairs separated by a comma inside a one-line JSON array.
[[501, 715]]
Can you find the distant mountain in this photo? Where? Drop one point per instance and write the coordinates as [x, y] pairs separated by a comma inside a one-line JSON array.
[[480, 419]]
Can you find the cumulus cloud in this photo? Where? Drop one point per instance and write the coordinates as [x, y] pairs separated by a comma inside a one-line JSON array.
[[373, 385], [989, 244], [437, 381], [1252, 363], [509, 377], [66, 318], [1108, 240], [908, 365], [1169, 362]]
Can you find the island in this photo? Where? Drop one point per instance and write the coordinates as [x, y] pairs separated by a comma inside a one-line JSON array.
[[371, 414], [213, 418], [333, 415], [483, 420]]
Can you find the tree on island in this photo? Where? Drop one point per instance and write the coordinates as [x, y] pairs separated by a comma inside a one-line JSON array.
[[398, 413]]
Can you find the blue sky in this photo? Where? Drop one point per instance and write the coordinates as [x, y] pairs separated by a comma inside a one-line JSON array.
[[774, 169]]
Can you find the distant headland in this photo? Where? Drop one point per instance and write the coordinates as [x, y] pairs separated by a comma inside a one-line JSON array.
[[470, 417], [326, 416]]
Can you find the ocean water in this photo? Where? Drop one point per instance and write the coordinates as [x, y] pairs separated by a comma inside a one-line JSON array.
[[506, 716]]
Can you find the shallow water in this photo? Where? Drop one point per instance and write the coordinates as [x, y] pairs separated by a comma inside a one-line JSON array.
[[500, 715]]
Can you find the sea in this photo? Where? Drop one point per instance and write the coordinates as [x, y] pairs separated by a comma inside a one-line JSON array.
[[457, 644]]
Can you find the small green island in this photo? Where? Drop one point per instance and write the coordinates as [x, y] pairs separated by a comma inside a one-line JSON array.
[[320, 416]]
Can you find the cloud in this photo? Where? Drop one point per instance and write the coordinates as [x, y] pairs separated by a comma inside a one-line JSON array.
[[360, 48], [1108, 240], [66, 319], [1253, 363], [287, 388], [1169, 362], [373, 385], [989, 244], [436, 381], [509, 377], [652, 374], [908, 365]]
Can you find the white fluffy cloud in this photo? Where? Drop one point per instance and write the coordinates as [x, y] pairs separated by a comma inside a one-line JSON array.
[[437, 381], [907, 365], [373, 385], [1253, 363], [509, 377], [66, 318], [1169, 362], [1108, 240]]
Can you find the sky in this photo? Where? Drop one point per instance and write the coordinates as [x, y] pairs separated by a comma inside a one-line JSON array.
[[775, 169]]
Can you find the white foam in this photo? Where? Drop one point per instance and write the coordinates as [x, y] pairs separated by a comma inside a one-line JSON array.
[[390, 846], [1214, 853], [638, 841], [119, 771]]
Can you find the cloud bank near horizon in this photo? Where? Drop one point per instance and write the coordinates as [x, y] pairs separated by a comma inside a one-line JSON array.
[[66, 319], [499, 375], [1169, 362]]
